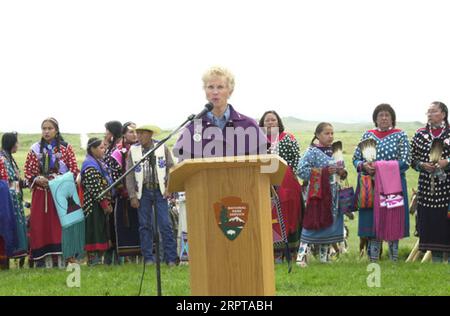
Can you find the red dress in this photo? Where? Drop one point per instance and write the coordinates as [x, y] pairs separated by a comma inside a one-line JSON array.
[[45, 228], [289, 197]]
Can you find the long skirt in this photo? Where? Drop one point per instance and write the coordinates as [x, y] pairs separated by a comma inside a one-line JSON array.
[[434, 229], [21, 249], [97, 230], [329, 235], [280, 224], [126, 224], [286, 218], [45, 228], [7, 221]]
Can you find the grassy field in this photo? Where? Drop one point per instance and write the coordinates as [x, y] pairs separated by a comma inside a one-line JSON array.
[[339, 278], [347, 276]]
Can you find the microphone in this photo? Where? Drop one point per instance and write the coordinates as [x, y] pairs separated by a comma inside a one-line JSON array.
[[208, 107]]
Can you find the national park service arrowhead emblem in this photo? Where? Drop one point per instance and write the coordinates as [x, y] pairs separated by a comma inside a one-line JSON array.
[[231, 216]]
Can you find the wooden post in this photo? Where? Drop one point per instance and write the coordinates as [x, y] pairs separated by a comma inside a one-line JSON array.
[[414, 251]]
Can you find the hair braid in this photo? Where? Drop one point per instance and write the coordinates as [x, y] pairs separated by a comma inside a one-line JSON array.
[[41, 150]]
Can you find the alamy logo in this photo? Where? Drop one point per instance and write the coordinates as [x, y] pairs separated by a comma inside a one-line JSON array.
[[374, 277], [74, 278], [232, 141]]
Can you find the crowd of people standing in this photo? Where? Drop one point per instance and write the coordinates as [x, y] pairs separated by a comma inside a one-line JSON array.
[[307, 214]]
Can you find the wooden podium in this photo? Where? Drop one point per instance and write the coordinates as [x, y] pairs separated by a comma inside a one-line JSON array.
[[229, 222]]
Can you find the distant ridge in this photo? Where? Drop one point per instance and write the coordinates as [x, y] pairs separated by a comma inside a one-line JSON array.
[[295, 124]]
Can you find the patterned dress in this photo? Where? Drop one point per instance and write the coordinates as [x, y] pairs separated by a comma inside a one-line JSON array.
[[3, 171], [287, 147], [98, 235], [126, 221], [7, 227], [110, 159], [13, 177], [111, 162], [320, 157], [115, 172], [391, 145], [434, 226], [45, 228]]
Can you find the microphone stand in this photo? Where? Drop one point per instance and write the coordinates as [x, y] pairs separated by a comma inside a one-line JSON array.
[[151, 154], [155, 227]]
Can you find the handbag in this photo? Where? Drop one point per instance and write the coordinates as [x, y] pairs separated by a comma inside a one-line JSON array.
[[347, 198], [365, 191]]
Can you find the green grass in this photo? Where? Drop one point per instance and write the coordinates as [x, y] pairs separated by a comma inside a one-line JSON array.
[[350, 278], [99, 280], [347, 276]]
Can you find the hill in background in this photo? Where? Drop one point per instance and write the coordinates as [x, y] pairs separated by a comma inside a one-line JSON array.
[[294, 124]]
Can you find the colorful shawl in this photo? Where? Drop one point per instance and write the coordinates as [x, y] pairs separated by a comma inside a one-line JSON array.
[[48, 158], [389, 208], [318, 213], [286, 208], [99, 165]]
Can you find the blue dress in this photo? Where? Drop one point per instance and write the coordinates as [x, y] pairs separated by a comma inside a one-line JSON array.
[[391, 145], [320, 157], [21, 248]]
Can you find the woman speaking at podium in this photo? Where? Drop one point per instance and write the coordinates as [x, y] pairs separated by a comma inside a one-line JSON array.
[[219, 132]]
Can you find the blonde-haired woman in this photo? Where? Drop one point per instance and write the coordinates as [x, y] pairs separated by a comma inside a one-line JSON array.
[[223, 119], [226, 124]]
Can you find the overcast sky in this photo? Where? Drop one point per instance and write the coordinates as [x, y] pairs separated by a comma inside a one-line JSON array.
[[87, 62]]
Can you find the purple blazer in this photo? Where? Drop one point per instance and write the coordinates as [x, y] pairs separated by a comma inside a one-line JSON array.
[[240, 136]]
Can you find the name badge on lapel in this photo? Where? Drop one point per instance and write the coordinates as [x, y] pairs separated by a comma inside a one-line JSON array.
[[197, 134]]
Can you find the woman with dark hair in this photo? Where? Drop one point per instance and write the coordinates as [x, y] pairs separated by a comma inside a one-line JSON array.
[[95, 178], [113, 134], [430, 157], [119, 154], [46, 160], [282, 143], [323, 222], [286, 212], [112, 140], [379, 218], [10, 144], [125, 217]]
